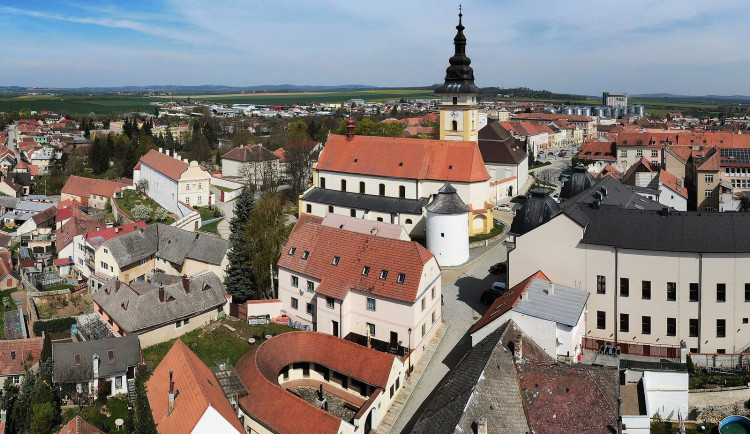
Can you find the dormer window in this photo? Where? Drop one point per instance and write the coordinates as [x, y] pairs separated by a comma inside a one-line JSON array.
[[111, 356], [401, 277], [365, 270], [383, 274], [336, 260], [305, 254], [292, 250], [76, 359]]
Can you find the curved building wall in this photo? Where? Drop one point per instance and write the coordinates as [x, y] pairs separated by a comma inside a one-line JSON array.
[[448, 238]]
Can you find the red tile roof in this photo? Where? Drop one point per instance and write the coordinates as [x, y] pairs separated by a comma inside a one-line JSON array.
[[17, 354], [78, 425], [673, 183], [250, 153], [107, 234], [396, 157], [355, 250], [198, 388], [306, 218], [598, 151], [85, 187], [166, 165], [506, 302], [283, 412], [552, 117]]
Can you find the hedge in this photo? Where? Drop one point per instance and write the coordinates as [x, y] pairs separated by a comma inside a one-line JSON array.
[[56, 325]]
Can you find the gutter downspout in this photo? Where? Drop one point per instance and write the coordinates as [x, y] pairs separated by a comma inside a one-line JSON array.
[[700, 297]]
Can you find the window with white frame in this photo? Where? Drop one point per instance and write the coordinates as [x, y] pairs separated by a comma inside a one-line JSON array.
[[709, 178], [370, 304], [639, 153], [709, 193], [310, 286], [654, 153], [295, 281], [623, 153]]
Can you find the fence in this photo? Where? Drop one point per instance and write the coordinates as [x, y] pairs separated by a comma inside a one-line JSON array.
[[723, 362], [44, 280], [664, 351]]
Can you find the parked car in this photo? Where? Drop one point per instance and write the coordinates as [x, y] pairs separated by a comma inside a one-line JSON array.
[[550, 154], [562, 153], [556, 196], [499, 268], [503, 207], [489, 295]]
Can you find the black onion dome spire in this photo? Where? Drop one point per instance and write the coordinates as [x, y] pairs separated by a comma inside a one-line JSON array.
[[459, 76]]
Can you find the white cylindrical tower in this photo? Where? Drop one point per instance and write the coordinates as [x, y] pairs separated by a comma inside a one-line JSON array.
[[448, 227]]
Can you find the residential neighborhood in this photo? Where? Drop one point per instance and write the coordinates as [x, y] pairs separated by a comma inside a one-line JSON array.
[[457, 262]]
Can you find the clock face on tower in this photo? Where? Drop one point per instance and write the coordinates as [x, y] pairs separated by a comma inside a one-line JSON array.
[[454, 114]]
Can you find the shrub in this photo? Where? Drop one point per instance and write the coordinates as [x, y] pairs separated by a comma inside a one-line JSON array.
[[142, 212], [159, 214], [56, 325]]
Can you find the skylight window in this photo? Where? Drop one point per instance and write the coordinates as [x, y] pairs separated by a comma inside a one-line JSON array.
[[383, 274], [292, 250], [365, 270], [305, 254], [401, 277], [336, 260]]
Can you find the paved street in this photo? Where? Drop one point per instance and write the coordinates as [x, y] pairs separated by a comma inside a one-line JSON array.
[[461, 292]]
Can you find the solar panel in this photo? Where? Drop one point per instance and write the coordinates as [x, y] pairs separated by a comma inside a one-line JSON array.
[[735, 156]]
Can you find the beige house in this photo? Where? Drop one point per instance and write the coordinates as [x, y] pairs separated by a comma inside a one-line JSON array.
[[162, 308], [372, 289], [656, 278], [94, 193], [132, 257], [252, 162]]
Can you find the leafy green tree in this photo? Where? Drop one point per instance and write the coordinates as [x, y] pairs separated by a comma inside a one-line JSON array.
[[364, 127], [200, 150], [45, 419], [159, 214], [240, 279], [143, 418], [265, 232], [297, 131]]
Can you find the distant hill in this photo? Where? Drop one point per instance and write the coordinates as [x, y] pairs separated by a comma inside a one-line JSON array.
[[704, 98], [191, 89]]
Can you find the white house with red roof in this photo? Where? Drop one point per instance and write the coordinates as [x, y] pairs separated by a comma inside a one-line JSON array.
[[173, 181], [392, 179], [370, 289], [85, 244]]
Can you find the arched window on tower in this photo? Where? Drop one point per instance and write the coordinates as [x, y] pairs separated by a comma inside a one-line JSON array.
[[454, 125], [343, 185], [322, 182], [381, 189], [401, 191], [361, 187]]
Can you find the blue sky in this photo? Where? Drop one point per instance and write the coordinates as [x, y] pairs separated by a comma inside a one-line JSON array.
[[585, 46]]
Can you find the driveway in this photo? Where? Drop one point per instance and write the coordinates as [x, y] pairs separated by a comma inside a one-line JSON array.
[[461, 309]]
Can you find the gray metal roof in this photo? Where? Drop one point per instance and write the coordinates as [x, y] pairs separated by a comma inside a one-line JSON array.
[[579, 180], [138, 307], [537, 208], [9, 202], [168, 243], [126, 349], [564, 305], [696, 232], [447, 202], [365, 201]]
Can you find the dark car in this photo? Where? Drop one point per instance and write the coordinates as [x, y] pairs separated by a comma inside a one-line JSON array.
[[489, 295], [499, 268]]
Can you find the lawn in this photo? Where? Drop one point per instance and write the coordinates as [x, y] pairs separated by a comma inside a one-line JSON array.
[[130, 198], [117, 407], [225, 189], [212, 227], [208, 213], [496, 230], [215, 343]]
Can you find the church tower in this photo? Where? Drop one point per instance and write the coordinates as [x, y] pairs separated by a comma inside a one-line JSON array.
[[459, 112]]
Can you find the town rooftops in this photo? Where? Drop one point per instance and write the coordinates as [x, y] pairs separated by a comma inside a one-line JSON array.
[[283, 412], [608, 191], [115, 355], [97, 238], [18, 354], [673, 183], [250, 153], [395, 157], [394, 267], [498, 145], [168, 243], [165, 299], [372, 202], [85, 187], [78, 425], [363, 226], [198, 387]]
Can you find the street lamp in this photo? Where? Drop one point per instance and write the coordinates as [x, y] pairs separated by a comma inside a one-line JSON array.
[[408, 357]]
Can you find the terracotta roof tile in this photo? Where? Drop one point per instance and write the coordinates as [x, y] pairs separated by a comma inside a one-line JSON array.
[[673, 183], [396, 157], [198, 388], [16, 353], [85, 187], [78, 425], [283, 412], [355, 250], [168, 166], [250, 153], [506, 302]]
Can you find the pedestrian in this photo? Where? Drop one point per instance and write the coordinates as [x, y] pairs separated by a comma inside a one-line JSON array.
[[442, 300]]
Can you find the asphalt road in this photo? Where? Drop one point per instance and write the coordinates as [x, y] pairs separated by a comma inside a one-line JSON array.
[[462, 308]]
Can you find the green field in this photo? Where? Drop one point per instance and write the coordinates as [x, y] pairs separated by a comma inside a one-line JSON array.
[[104, 104]]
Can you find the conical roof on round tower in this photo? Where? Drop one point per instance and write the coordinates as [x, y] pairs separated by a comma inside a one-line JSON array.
[[447, 202], [459, 76]]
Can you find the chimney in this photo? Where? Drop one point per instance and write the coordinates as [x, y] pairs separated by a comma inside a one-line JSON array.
[[551, 289], [525, 295], [482, 425], [350, 128], [161, 294], [171, 395], [186, 284], [161, 150], [117, 284], [96, 366], [665, 211]]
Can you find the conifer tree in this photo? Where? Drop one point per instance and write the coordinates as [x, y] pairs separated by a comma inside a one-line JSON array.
[[240, 279]]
